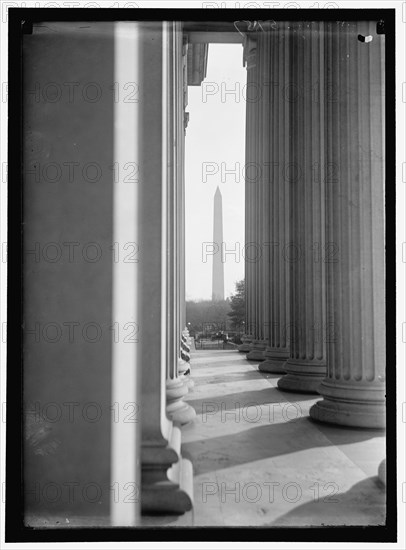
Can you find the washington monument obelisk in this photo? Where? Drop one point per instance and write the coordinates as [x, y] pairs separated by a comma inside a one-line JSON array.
[[218, 265]]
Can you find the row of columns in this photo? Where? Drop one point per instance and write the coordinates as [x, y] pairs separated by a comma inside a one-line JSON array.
[[178, 364], [314, 209], [135, 372], [166, 477]]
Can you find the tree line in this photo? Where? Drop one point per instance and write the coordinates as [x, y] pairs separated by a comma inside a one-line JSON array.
[[208, 316]]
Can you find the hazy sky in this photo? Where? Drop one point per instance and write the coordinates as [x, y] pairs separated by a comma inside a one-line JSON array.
[[215, 144]]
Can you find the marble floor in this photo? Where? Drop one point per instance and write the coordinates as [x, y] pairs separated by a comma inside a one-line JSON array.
[[259, 460]]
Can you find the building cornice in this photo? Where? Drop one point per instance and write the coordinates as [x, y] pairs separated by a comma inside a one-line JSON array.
[[196, 63]]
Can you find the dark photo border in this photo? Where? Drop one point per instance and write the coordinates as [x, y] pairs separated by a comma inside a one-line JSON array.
[[20, 22]]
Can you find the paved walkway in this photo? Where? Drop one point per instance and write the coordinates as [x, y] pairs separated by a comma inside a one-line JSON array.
[[260, 461]]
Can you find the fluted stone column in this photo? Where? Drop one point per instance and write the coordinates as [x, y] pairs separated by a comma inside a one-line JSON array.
[[177, 410], [274, 47], [186, 346], [253, 249], [249, 60], [354, 390], [183, 361], [306, 366], [255, 173], [167, 478], [185, 119]]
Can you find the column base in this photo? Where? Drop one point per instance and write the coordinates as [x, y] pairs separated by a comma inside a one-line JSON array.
[[244, 348], [178, 410], [382, 472], [167, 479], [273, 366], [189, 382], [274, 360], [183, 366], [181, 413], [257, 351], [358, 405], [246, 345], [302, 376]]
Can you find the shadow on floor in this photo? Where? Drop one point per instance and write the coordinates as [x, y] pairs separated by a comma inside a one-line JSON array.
[[230, 378], [365, 501], [261, 442], [230, 401]]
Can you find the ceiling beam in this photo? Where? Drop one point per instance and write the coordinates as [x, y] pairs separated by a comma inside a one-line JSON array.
[[210, 37]]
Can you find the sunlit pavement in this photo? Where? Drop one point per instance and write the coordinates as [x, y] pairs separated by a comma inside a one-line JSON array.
[[259, 460]]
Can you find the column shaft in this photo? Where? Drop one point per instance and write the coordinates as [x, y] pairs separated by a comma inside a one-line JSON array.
[[306, 366], [354, 390], [126, 371], [166, 476], [276, 46], [250, 282], [176, 388], [255, 171]]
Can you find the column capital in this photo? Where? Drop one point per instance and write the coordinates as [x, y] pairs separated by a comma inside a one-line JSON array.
[[185, 120], [250, 51], [197, 55]]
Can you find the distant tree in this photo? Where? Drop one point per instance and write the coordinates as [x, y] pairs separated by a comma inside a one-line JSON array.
[[207, 315], [237, 304]]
